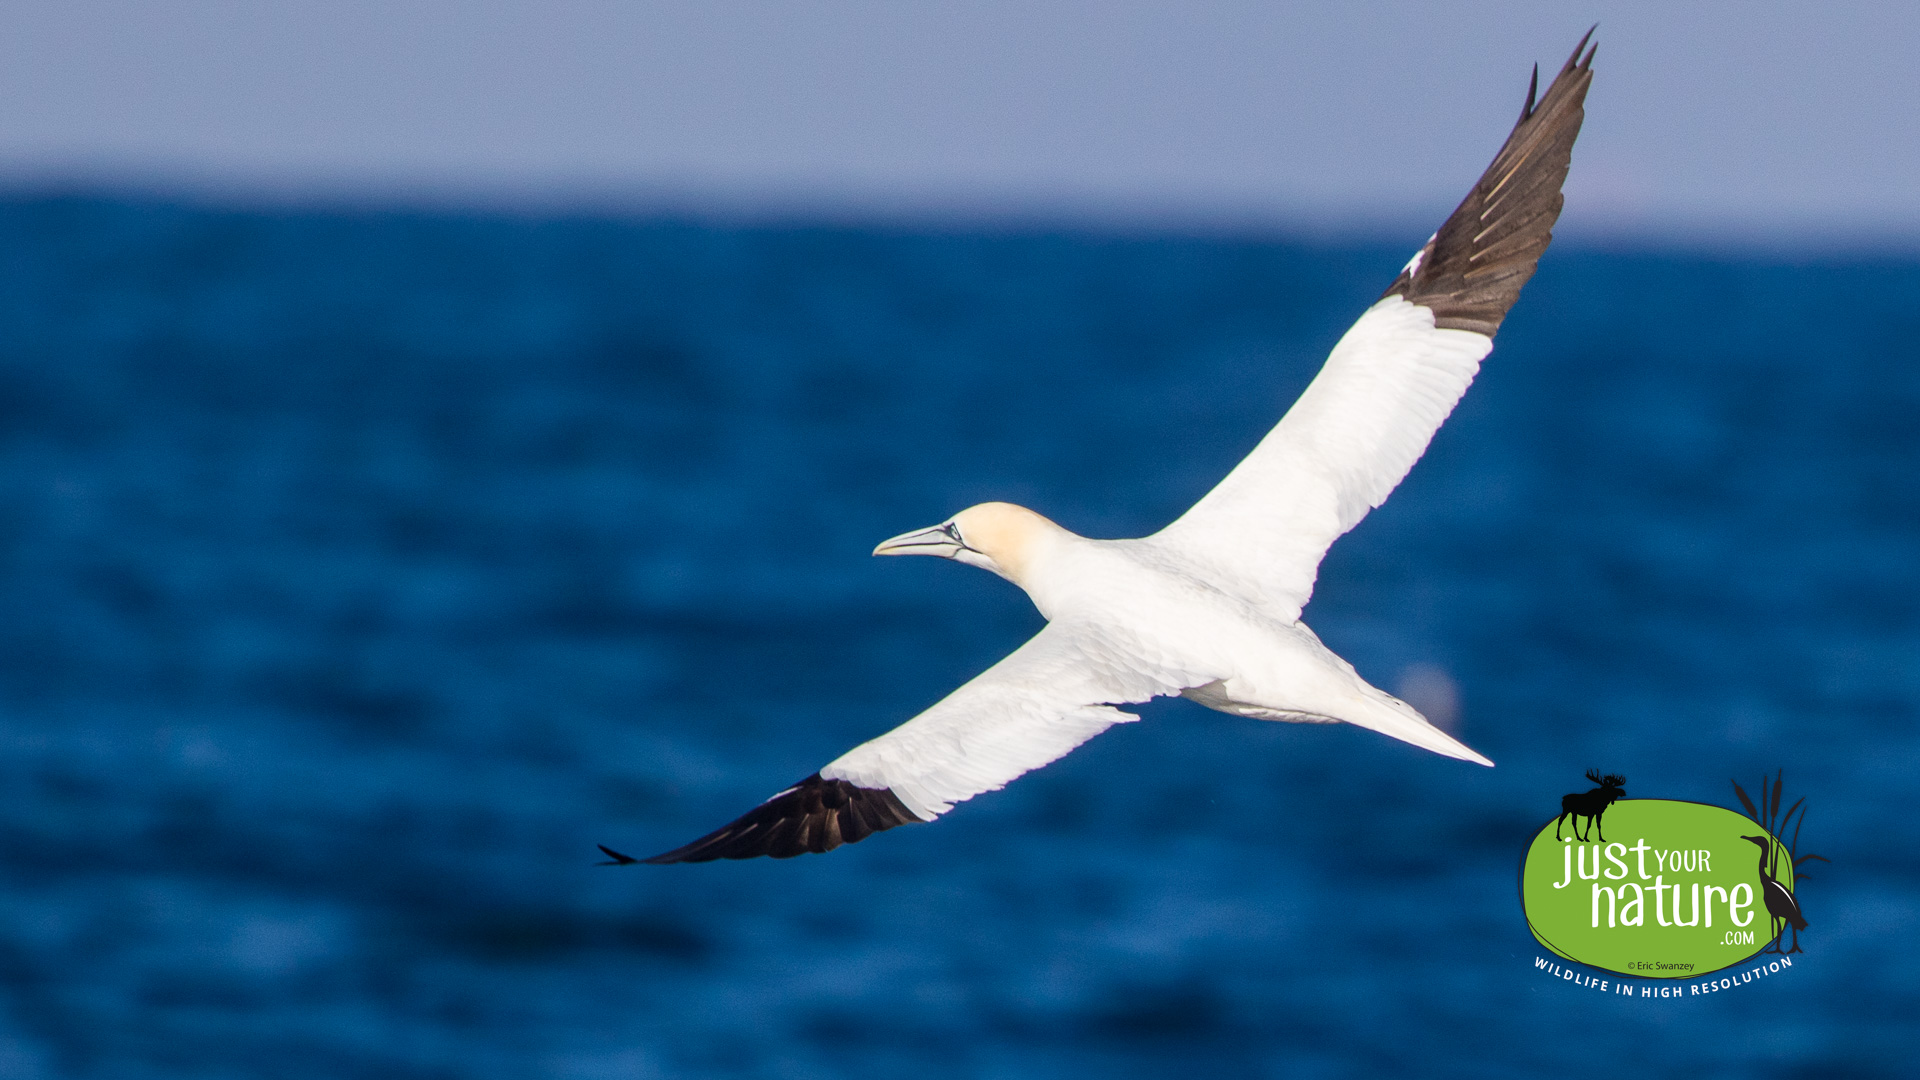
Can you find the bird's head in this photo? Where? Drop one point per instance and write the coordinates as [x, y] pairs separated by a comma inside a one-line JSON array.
[[1761, 840], [996, 536]]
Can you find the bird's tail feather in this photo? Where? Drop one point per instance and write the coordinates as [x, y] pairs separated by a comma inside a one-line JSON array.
[[1398, 719]]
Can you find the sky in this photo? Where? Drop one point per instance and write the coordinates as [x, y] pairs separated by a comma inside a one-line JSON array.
[[1757, 122]]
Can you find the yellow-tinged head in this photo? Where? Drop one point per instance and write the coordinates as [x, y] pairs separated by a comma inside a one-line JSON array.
[[996, 536]]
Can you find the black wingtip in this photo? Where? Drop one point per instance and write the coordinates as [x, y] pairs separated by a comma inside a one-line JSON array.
[[1574, 60], [1472, 270], [814, 815], [614, 858]]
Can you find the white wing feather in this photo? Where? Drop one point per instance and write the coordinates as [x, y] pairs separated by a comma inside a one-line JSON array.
[[1042, 701], [1337, 454]]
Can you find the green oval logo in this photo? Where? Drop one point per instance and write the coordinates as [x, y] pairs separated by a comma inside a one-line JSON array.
[[1676, 890]]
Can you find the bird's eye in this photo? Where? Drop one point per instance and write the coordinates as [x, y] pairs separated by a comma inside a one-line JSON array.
[[953, 532]]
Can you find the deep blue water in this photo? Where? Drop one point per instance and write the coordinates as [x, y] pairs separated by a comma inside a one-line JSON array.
[[361, 572]]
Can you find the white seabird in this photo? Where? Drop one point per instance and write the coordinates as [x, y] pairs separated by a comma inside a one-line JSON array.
[[1209, 607]]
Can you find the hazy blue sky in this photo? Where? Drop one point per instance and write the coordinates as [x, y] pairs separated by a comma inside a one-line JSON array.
[[1762, 120]]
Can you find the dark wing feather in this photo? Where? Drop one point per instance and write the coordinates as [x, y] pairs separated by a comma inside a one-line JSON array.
[[1471, 272], [813, 815]]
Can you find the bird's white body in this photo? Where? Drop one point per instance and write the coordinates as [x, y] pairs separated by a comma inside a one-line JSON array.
[[1129, 620]]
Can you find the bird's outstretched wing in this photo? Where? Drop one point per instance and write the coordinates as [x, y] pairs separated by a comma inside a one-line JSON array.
[[1392, 380], [1046, 698]]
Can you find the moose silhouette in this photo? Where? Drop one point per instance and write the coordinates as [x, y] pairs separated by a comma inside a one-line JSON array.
[[1590, 804]]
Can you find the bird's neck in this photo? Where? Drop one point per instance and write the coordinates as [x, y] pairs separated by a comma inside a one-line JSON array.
[[1049, 567]]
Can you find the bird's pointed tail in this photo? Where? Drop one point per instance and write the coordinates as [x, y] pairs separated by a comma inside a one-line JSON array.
[[1400, 720]]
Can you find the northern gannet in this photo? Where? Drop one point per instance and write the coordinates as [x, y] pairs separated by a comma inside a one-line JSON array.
[[1209, 607]]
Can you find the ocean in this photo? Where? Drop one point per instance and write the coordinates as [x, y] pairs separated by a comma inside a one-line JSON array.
[[364, 570]]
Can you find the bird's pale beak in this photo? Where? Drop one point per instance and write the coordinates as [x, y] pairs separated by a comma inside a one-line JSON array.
[[941, 540]]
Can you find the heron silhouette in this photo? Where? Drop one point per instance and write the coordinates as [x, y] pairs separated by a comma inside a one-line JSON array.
[[1779, 898], [1768, 817]]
